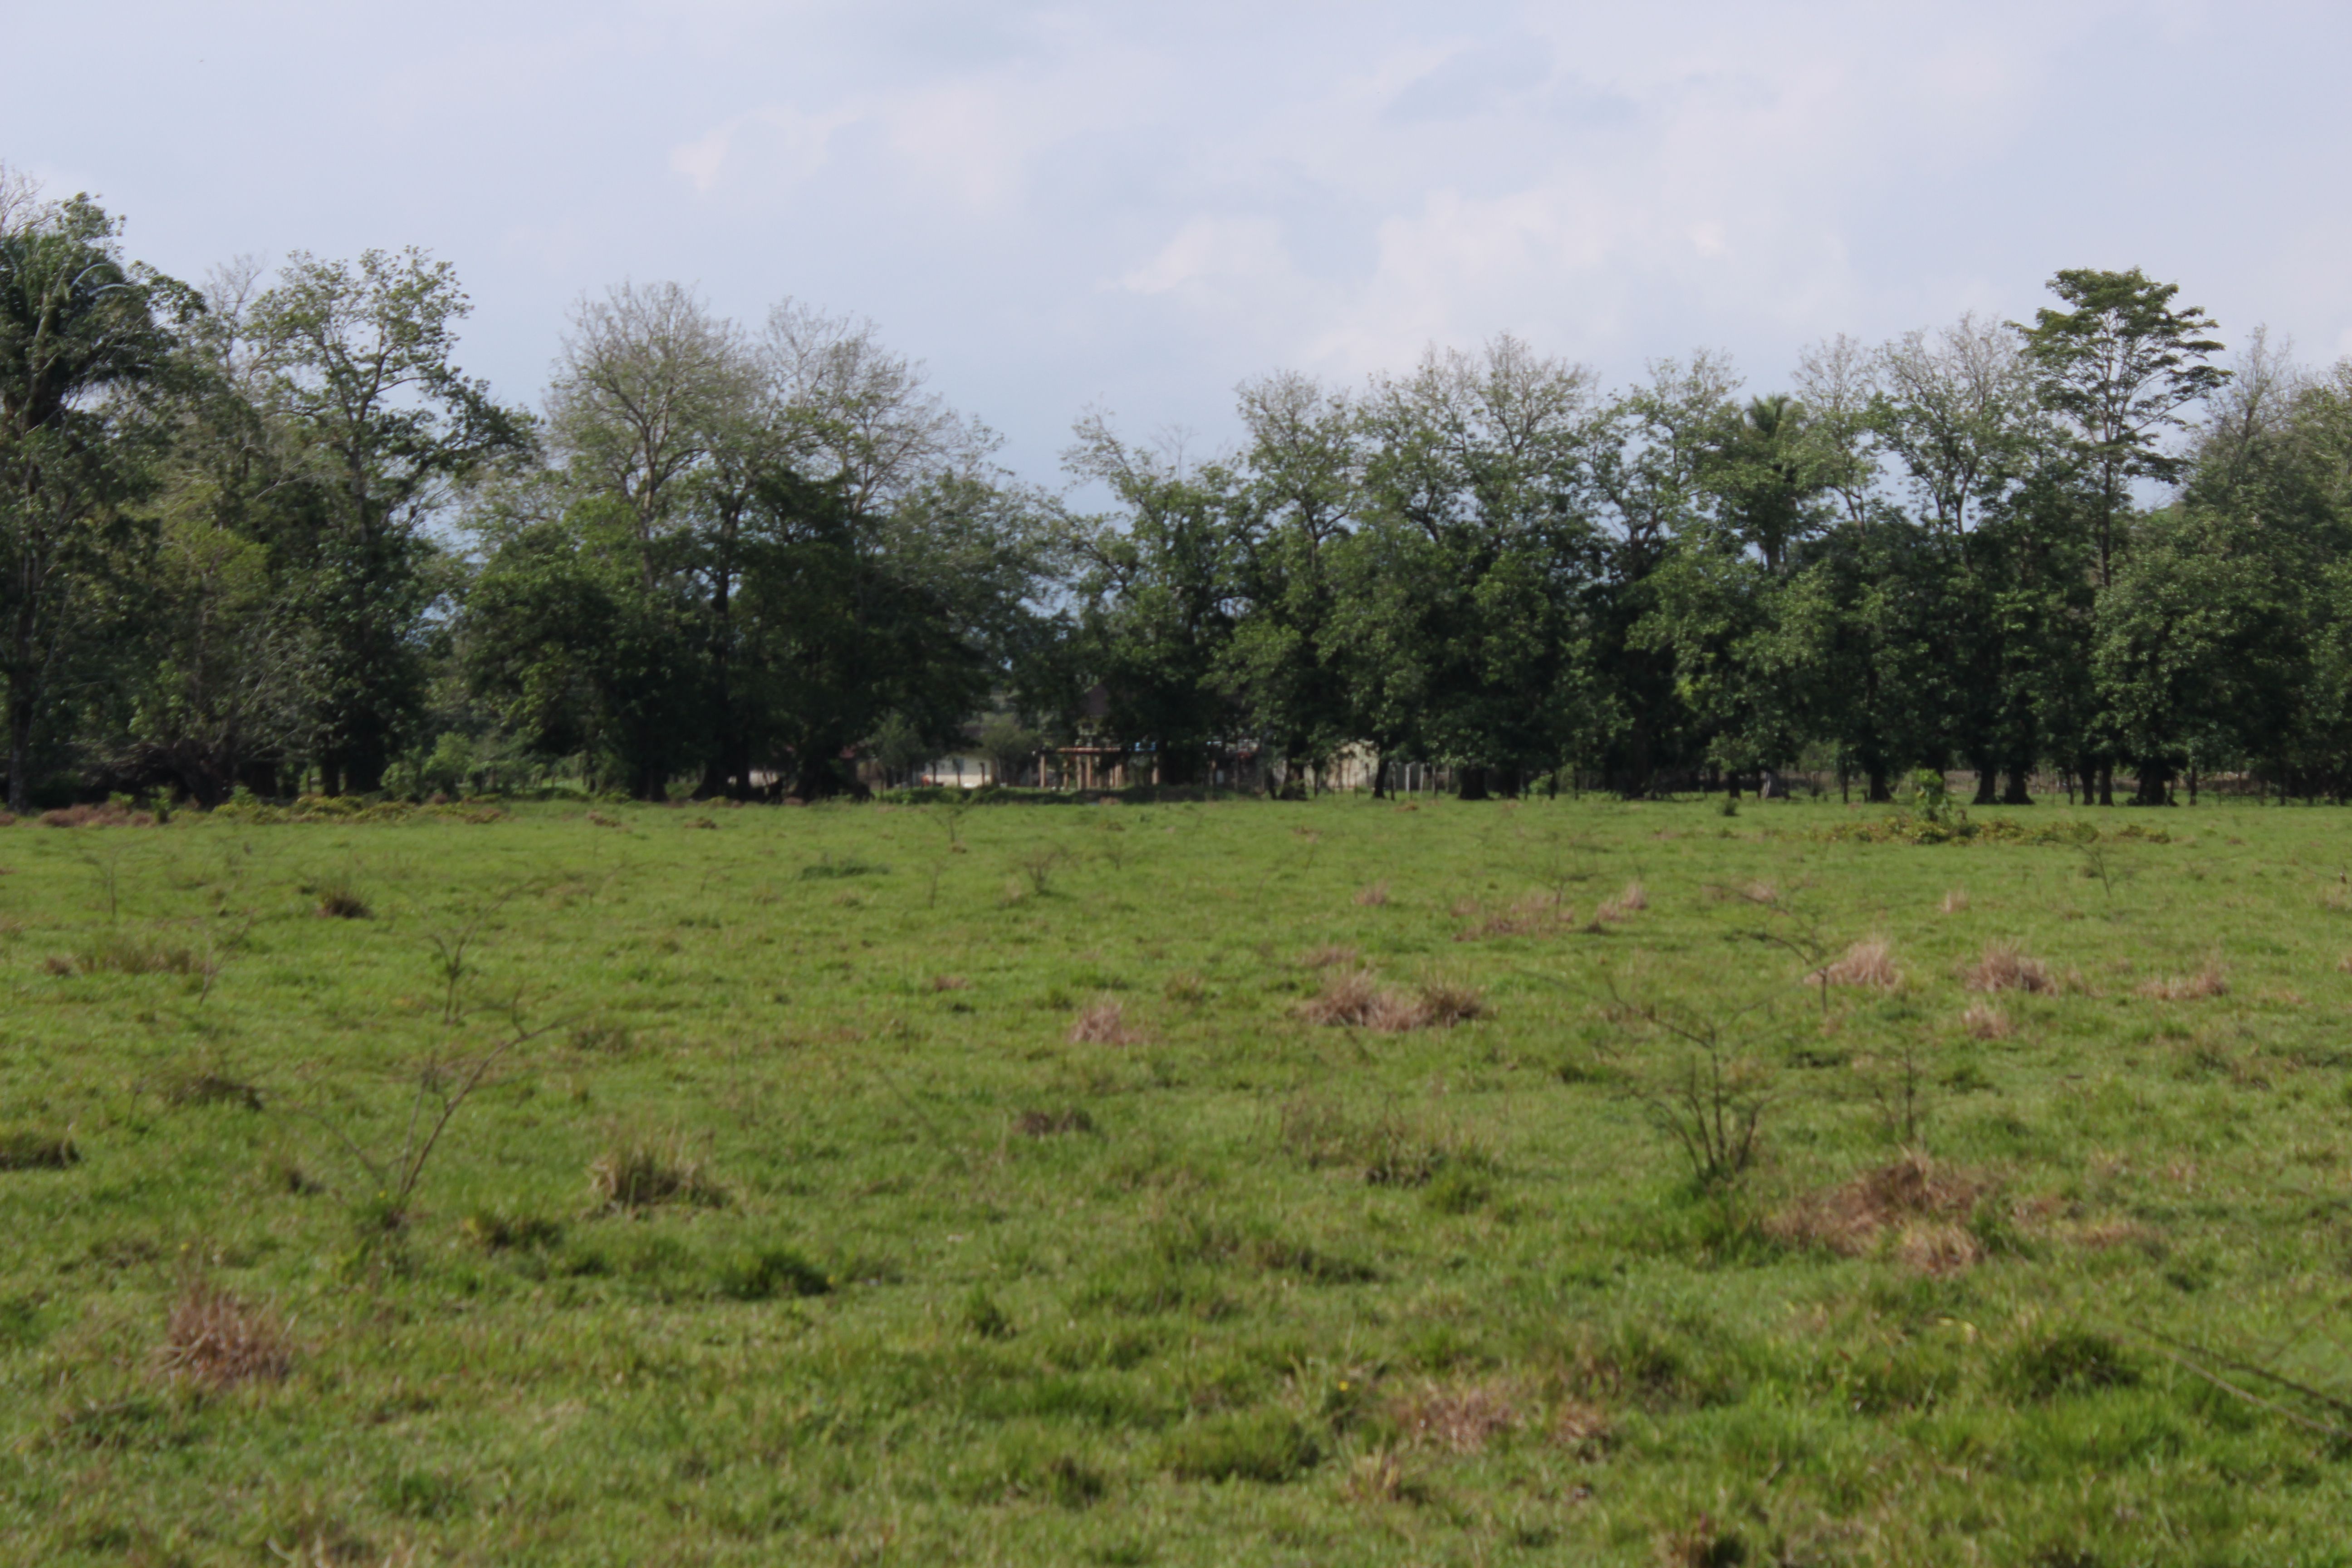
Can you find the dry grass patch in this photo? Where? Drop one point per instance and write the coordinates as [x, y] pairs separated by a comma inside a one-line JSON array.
[[1053, 1123], [1581, 1427], [1919, 1202], [1984, 1022], [950, 982], [1628, 903], [1868, 964], [2002, 967], [1104, 1023], [1461, 1418], [644, 1172], [1533, 915], [1956, 902], [23, 1149], [1373, 896], [1329, 957], [113, 813], [216, 1341], [1351, 999], [1937, 1249], [2207, 982]]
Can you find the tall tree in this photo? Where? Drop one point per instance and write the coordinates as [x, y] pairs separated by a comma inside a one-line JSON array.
[[79, 329], [358, 363], [2121, 366]]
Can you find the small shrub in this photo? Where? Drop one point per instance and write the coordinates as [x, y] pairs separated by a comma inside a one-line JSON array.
[[1984, 1022], [1265, 1445], [1870, 963], [216, 1341], [771, 1272], [1039, 865], [641, 1173], [1103, 1024], [2002, 967], [1373, 896], [23, 1149]]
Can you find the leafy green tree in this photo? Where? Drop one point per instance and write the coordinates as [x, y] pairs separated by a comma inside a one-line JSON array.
[[1473, 475], [358, 365], [1159, 596], [2121, 366], [80, 330]]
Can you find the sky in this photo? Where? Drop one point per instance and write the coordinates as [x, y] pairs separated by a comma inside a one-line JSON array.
[[1134, 207]]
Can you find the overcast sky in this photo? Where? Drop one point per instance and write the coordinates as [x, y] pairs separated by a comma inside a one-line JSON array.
[[1135, 206]]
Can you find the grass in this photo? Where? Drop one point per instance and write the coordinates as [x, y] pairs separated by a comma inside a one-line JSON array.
[[1249, 1184]]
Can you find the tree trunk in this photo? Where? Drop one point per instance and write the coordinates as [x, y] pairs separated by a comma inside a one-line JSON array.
[[1879, 793], [1988, 781], [1472, 782], [2106, 782], [2153, 786], [2020, 774]]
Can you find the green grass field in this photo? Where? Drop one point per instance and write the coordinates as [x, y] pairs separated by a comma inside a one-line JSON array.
[[874, 1185]]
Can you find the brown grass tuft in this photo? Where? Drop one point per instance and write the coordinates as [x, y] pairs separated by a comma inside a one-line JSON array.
[[2207, 982], [1912, 1195], [1461, 1418], [1531, 915], [2003, 968], [216, 1341], [1984, 1022], [1104, 1023], [1624, 906], [949, 983], [1327, 958], [1581, 1428], [110, 815], [600, 820], [1937, 1249], [1051, 1123], [642, 1172], [1374, 896], [1350, 999], [25, 1149], [1956, 902], [1865, 963]]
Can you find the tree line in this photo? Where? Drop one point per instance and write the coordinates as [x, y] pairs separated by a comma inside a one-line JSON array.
[[264, 533]]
